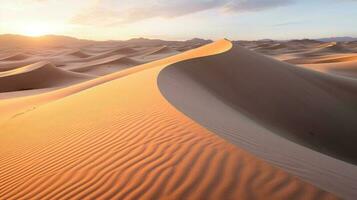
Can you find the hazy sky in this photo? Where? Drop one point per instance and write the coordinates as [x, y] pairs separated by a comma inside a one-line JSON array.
[[180, 19]]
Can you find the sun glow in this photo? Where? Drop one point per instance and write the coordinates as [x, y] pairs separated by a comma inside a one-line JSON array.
[[37, 29]]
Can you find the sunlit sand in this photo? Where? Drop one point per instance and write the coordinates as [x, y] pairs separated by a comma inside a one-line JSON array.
[[178, 120]]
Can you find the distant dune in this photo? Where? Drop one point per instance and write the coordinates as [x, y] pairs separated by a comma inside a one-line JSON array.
[[104, 66], [15, 57], [37, 76], [79, 54]]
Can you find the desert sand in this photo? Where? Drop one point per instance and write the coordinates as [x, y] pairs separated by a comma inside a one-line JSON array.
[[150, 119], [254, 100]]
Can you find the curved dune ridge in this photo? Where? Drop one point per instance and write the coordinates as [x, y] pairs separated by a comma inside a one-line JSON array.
[[322, 59], [78, 54], [15, 57], [304, 51], [334, 47], [337, 47], [252, 100], [122, 51], [276, 46], [347, 68], [37, 76], [125, 50], [144, 149], [105, 65], [161, 50], [339, 59]]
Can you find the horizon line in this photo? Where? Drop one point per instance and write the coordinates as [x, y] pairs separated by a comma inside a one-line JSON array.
[[154, 38]]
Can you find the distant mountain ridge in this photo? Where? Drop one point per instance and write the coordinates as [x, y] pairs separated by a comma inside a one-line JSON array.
[[19, 41], [337, 39]]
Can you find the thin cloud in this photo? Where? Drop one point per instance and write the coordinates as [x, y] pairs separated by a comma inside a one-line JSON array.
[[109, 12], [288, 23]]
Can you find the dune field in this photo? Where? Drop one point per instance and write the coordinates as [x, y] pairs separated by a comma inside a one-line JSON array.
[[196, 119]]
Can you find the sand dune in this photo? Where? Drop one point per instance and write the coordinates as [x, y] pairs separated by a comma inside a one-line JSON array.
[[112, 52], [89, 60], [37, 76], [163, 50], [310, 106], [15, 57], [125, 50], [345, 68], [104, 66], [78, 54], [252, 100], [331, 48], [336, 58], [276, 46], [112, 149]]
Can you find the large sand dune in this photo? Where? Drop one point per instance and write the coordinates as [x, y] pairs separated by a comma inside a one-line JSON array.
[[252, 100], [117, 137]]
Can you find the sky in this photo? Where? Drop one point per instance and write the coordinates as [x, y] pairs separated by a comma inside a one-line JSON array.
[[180, 19]]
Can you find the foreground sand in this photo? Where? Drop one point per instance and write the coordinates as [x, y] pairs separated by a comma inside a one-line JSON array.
[[117, 137]]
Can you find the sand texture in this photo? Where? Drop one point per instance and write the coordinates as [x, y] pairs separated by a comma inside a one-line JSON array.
[[109, 121]]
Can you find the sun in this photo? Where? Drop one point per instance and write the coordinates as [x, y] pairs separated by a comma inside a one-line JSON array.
[[36, 29]]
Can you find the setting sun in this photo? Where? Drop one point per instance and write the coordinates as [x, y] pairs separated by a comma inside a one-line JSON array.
[[36, 29]]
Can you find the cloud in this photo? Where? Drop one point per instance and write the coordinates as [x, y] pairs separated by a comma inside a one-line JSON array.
[[110, 12], [288, 23], [255, 5]]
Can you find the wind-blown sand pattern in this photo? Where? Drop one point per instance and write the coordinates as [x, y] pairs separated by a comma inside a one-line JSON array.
[[112, 134]]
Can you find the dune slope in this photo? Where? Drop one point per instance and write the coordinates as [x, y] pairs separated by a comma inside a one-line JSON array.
[[37, 76], [248, 99], [123, 140]]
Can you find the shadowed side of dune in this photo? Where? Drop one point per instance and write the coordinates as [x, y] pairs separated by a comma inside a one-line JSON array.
[[248, 99], [37, 76]]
